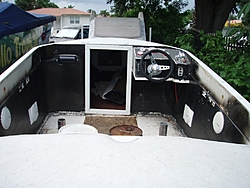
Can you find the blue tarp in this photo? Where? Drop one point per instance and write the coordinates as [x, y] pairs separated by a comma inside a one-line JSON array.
[[14, 20]]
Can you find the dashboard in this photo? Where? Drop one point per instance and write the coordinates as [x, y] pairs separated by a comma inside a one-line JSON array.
[[147, 57]]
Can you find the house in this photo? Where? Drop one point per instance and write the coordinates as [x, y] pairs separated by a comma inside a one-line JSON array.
[[233, 23], [65, 16]]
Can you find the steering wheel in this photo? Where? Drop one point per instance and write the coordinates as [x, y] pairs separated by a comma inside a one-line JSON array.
[[152, 70]]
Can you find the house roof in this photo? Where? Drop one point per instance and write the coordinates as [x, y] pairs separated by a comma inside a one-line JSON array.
[[59, 11]]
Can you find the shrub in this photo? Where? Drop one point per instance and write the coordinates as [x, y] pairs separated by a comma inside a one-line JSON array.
[[233, 66]]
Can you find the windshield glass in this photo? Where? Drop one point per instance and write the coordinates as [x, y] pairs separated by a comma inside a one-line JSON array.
[[67, 33]]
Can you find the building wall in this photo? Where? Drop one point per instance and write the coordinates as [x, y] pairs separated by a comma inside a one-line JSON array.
[[64, 20], [84, 19]]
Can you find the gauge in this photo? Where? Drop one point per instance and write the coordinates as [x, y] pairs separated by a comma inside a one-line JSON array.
[[142, 49], [140, 53]]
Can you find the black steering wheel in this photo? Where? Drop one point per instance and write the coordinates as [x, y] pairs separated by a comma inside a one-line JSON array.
[[152, 70]]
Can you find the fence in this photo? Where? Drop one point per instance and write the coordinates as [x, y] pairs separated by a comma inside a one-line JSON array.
[[241, 44], [231, 44]]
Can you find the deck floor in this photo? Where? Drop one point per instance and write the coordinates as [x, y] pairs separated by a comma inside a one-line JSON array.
[[149, 124]]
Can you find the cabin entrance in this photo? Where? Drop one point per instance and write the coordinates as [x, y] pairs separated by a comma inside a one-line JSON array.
[[108, 79]]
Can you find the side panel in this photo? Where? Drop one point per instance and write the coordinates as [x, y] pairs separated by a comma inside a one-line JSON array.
[[64, 77], [232, 105], [30, 92], [152, 97], [203, 123]]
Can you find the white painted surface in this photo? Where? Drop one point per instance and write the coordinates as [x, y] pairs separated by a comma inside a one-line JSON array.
[[5, 117], [188, 114], [51, 125], [33, 113], [96, 160], [218, 122], [77, 128], [149, 124], [88, 109], [11, 77], [219, 88]]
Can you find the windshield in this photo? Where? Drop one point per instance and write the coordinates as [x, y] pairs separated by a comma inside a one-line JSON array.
[[67, 33]]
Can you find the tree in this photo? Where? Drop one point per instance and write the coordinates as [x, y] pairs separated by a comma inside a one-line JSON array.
[[241, 33], [120, 7], [232, 64], [245, 13], [211, 15], [231, 17], [104, 13], [26, 4], [45, 4], [71, 6], [242, 3], [34, 4], [163, 17]]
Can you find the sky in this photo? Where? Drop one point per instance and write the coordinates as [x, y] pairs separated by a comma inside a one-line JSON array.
[[96, 5], [84, 5]]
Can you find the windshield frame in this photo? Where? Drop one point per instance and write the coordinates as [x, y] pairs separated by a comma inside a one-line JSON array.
[[68, 33]]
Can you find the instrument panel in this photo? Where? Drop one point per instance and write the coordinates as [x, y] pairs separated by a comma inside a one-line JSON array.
[[182, 65]]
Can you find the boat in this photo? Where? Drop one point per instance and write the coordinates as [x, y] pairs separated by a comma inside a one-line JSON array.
[[115, 110], [20, 31], [71, 32]]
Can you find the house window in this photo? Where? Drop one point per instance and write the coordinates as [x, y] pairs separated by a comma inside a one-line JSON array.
[[74, 20]]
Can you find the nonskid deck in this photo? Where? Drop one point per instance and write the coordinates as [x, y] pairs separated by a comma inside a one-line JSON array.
[[149, 124]]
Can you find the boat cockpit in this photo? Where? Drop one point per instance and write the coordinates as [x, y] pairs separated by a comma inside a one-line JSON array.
[[116, 111], [119, 77]]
